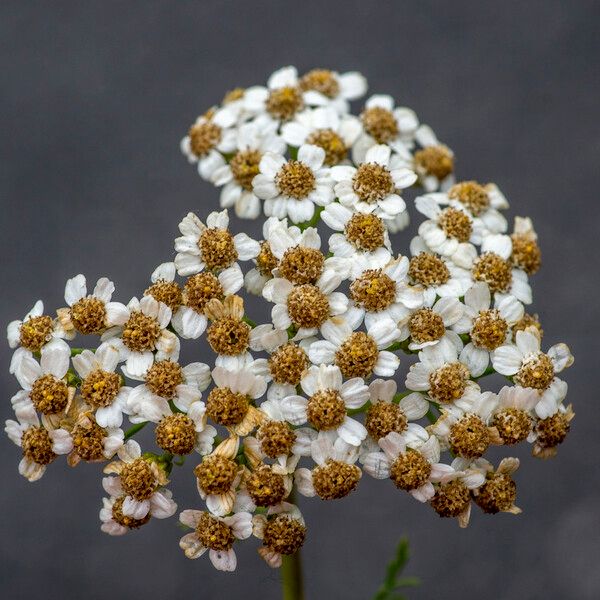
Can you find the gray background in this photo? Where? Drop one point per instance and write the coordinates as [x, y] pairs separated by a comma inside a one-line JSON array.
[[95, 97]]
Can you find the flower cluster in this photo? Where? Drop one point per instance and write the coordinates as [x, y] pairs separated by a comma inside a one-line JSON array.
[[309, 401]]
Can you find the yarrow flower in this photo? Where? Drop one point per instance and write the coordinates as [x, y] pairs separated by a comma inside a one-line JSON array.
[[307, 399]]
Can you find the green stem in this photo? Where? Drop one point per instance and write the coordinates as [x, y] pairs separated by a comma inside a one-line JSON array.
[[291, 571], [134, 429]]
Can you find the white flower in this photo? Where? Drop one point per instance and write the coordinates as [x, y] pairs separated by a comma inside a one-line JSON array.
[[101, 364], [212, 247], [40, 446], [255, 278], [485, 325], [91, 313], [292, 188], [442, 177], [144, 336], [324, 385], [372, 186], [396, 447], [235, 175], [351, 350], [326, 128], [329, 88], [223, 559], [158, 504], [306, 307]]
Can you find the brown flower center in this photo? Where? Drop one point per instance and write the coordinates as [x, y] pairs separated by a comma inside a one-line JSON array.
[[36, 445], [469, 437], [332, 143], [244, 167], [373, 290], [365, 231], [383, 418], [357, 356], [217, 248], [426, 325], [410, 470], [228, 336], [35, 332], [493, 270], [124, 520], [141, 332], [100, 388], [88, 315], [537, 371], [214, 534], [266, 260], [88, 441], [233, 95], [216, 474], [49, 395], [176, 434], [428, 270], [167, 292], [526, 254], [335, 479], [435, 160], [226, 407], [320, 80], [451, 499], [527, 321], [138, 480], [201, 288], [288, 363], [489, 330], [302, 265], [472, 195], [326, 410], [497, 494], [455, 224], [308, 306], [276, 438], [552, 431], [448, 383], [284, 535], [372, 182], [513, 425], [283, 103], [204, 137], [163, 377], [266, 488], [380, 124], [295, 180]]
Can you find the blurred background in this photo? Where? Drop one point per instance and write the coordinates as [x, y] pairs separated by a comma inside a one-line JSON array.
[[95, 98]]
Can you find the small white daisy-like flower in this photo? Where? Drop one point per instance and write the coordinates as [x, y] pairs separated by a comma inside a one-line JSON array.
[[441, 374], [44, 384], [513, 413], [335, 475], [499, 492], [282, 531], [35, 330], [216, 535], [411, 460], [266, 262], [235, 175], [372, 186], [428, 326], [527, 364], [212, 247], [293, 187], [329, 399], [326, 128], [323, 87], [433, 161], [139, 481], [385, 123], [91, 313], [208, 138], [384, 293], [487, 327], [40, 446], [305, 307], [101, 388], [144, 336], [356, 353]]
